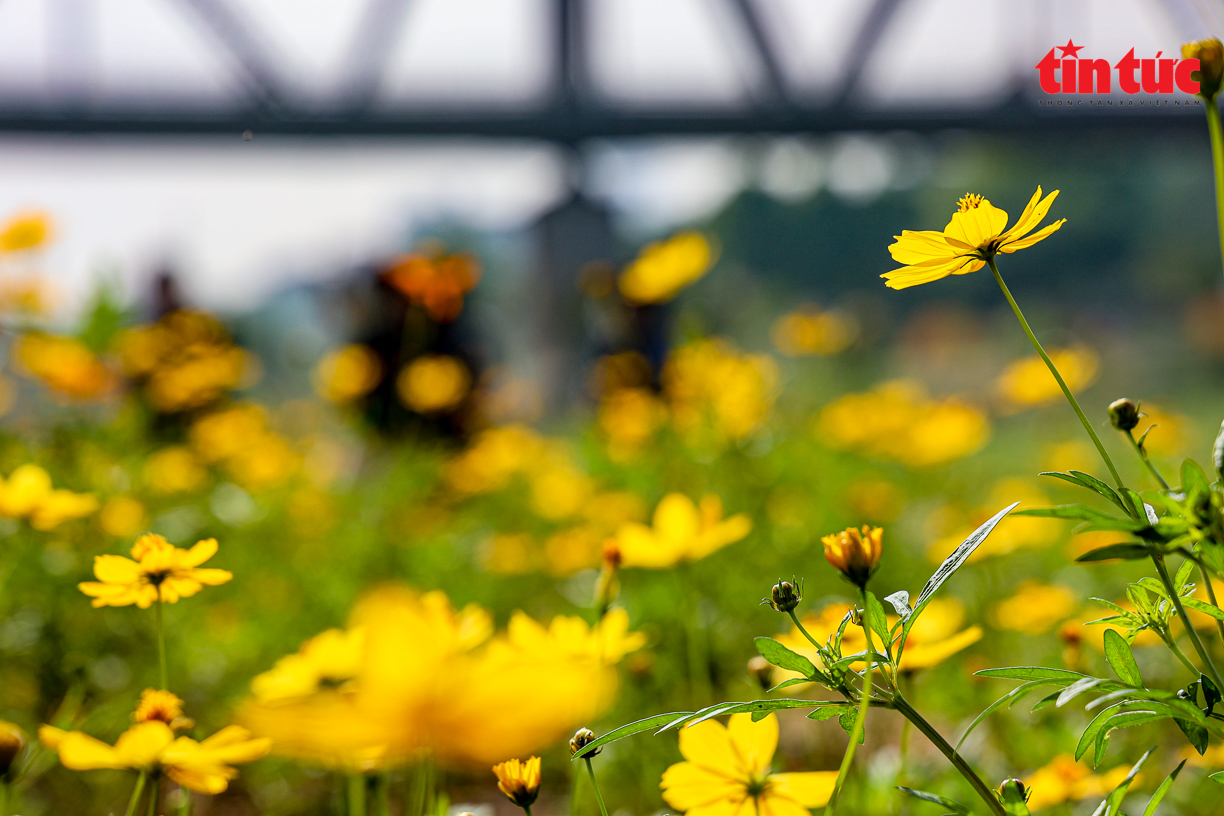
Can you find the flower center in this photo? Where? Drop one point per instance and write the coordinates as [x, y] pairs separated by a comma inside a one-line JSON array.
[[969, 201], [156, 578], [757, 787]]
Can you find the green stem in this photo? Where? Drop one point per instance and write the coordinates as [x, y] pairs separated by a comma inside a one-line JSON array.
[[861, 719], [1217, 160], [161, 644], [184, 807], [1079, 412], [527, 809], [356, 795], [799, 626], [928, 731], [598, 796], [5, 789], [698, 657], [154, 798], [139, 789], [1176, 650], [1146, 461], [1212, 672], [1211, 596], [382, 801]]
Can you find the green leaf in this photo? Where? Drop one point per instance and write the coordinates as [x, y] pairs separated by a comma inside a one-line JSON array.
[[1204, 607], [1120, 658], [749, 707], [1095, 484], [794, 681], [1077, 688], [648, 724], [1096, 727], [1160, 793], [935, 799], [784, 658], [878, 621], [1195, 733], [1080, 512], [828, 712], [1033, 673], [846, 721], [1114, 801], [1136, 503], [1011, 698], [1125, 551], [899, 601], [1217, 452], [1193, 478], [1217, 777]]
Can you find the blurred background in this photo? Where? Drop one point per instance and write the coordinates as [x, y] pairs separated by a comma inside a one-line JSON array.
[[414, 221]]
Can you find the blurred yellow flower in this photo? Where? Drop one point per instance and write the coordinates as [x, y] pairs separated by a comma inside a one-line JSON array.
[[681, 531], [494, 456], [28, 494], [347, 373], [328, 660], [240, 438], [203, 767], [1012, 533], [174, 470], [1065, 780], [122, 517], [854, 554], [874, 499], [973, 236], [727, 771], [157, 705], [629, 417], [897, 420], [1081, 629], [510, 554], [810, 331], [30, 295], [663, 268], [558, 489], [1035, 608], [436, 282], [711, 387], [64, 365], [185, 360], [519, 780], [1070, 454], [1171, 434], [25, 231], [161, 572], [433, 383], [1028, 382]]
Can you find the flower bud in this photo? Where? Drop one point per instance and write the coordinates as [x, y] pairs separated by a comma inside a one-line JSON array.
[[855, 554], [761, 671], [784, 596], [519, 780], [607, 584], [1123, 414], [12, 741], [581, 739], [1014, 796], [1210, 54]]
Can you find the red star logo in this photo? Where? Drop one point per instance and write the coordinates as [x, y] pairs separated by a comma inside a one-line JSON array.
[[1070, 49]]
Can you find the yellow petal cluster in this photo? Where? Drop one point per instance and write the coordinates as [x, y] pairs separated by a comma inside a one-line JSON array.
[[854, 553], [1065, 780], [811, 331], [681, 530], [412, 676], [186, 360], [950, 525], [160, 572], [1028, 382], [715, 390], [433, 383], [897, 420], [1035, 608], [347, 373], [28, 493], [519, 780], [727, 772], [629, 418], [662, 269], [203, 767], [25, 231], [240, 440], [973, 236], [66, 366]]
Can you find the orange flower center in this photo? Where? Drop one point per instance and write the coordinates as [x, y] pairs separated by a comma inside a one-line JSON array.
[[969, 201]]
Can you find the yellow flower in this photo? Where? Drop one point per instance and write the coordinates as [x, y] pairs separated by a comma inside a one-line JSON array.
[[855, 555], [174, 470], [28, 493], [1065, 780], [25, 231], [433, 383], [681, 531], [122, 517], [347, 373], [727, 773], [1012, 533], [185, 361], [662, 269], [1028, 382], [973, 236], [64, 365], [161, 572], [1171, 433], [494, 456], [810, 331], [157, 705], [519, 780], [435, 282], [1034, 609], [1210, 54], [328, 660], [712, 387], [629, 417], [203, 767]]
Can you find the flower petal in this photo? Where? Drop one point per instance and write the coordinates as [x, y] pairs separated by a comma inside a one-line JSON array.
[[115, 569], [140, 745], [1033, 214], [811, 789], [81, 752], [210, 577], [209, 780], [1040, 235], [687, 786], [709, 745], [924, 655], [755, 742], [977, 226], [199, 553], [916, 247]]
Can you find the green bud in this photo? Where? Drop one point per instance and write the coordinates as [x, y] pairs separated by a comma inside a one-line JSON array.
[[785, 596], [1123, 414]]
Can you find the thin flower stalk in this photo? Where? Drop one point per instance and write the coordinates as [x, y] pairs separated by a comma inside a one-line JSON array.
[[860, 720], [1216, 131], [1191, 632], [1146, 460], [598, 796], [136, 791]]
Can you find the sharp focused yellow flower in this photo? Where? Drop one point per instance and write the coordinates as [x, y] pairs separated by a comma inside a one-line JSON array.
[[681, 531], [1034, 609], [347, 373], [25, 231], [727, 773], [1065, 780], [855, 555], [161, 572], [203, 767], [973, 236], [664, 268], [29, 494], [519, 780], [433, 383], [1028, 382]]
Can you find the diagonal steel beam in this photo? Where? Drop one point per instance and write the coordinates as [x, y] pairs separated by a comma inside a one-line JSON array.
[[381, 29], [775, 78], [865, 42], [244, 46]]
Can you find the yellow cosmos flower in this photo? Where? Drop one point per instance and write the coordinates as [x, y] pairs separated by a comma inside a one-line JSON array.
[[174, 469], [664, 268], [29, 494], [203, 767], [519, 780], [433, 383], [1065, 780], [681, 531], [1035, 608], [973, 236], [161, 572], [347, 373], [714, 389], [157, 705], [1028, 382], [330, 659], [727, 773], [629, 417], [855, 554]]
